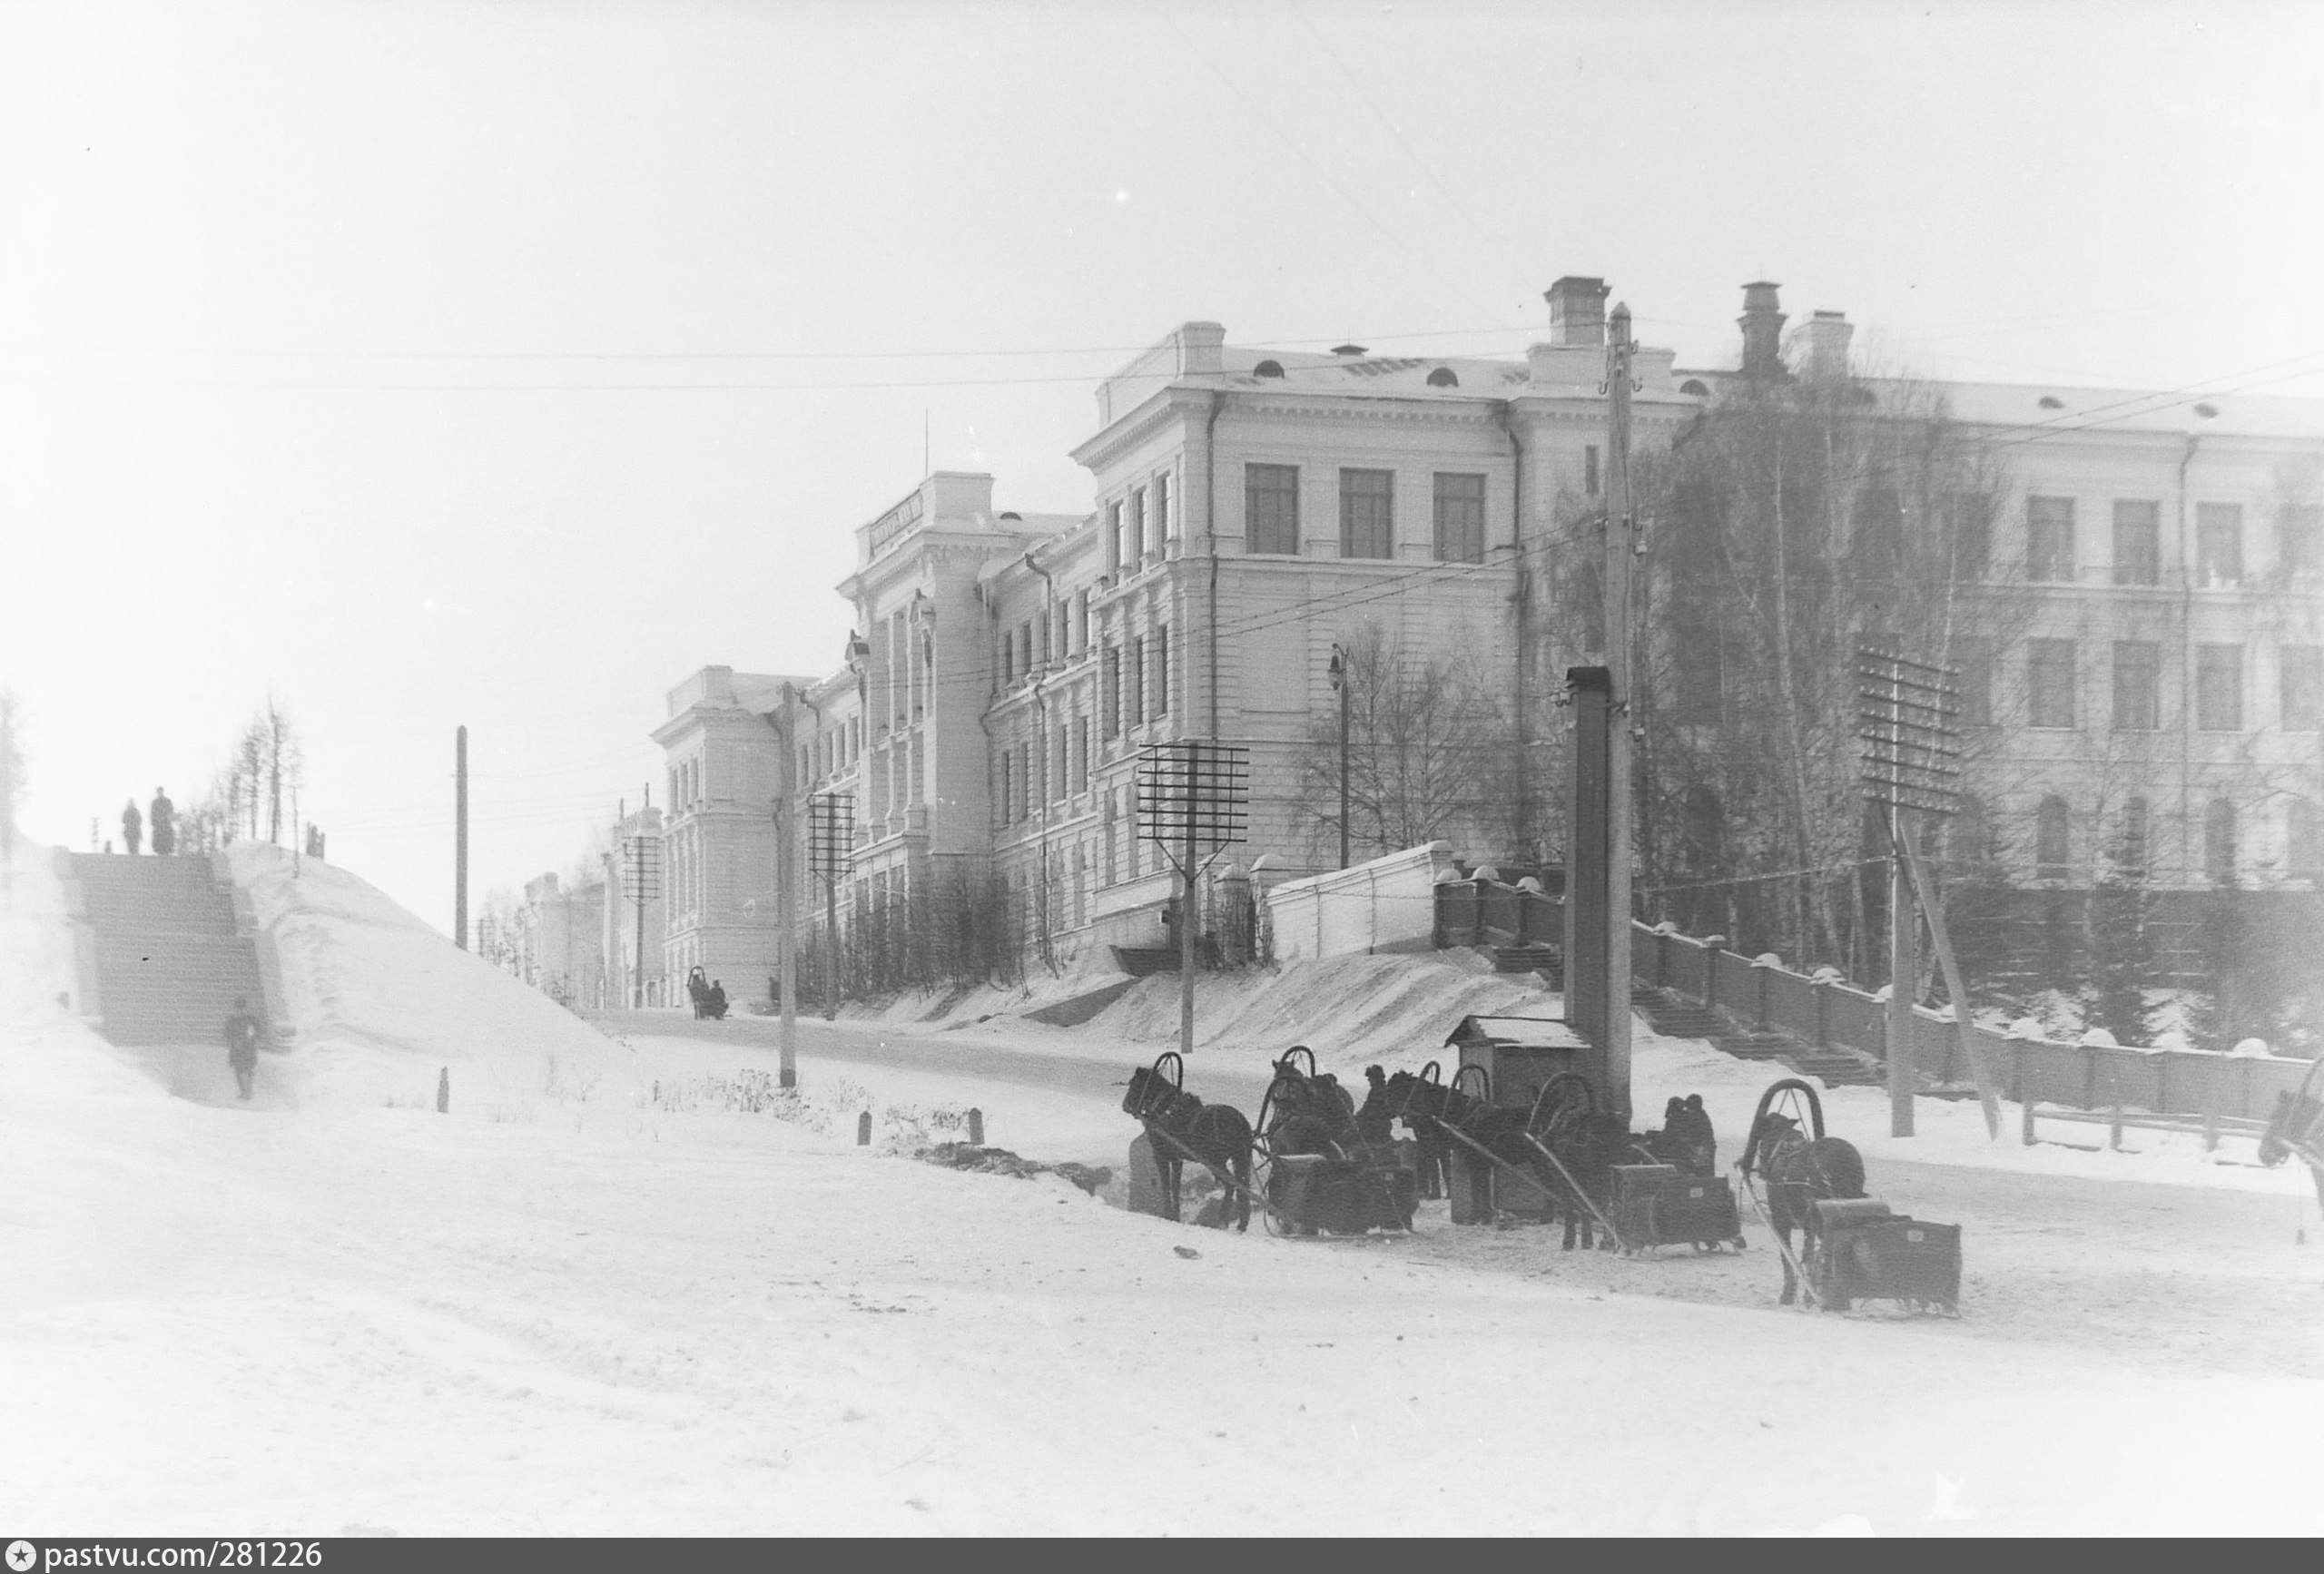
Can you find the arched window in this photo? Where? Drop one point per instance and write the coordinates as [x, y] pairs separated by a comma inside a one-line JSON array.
[[1443, 377], [2218, 842], [1267, 368], [1969, 841], [2304, 842], [1695, 386], [2053, 839]]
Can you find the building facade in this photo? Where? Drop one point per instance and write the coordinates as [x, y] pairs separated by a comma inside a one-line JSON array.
[[1256, 511]]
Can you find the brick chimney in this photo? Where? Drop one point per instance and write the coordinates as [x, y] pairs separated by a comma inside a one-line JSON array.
[[1827, 334], [1762, 326], [1577, 310]]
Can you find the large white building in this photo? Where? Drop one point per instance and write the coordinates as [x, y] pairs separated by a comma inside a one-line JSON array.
[[1254, 508]]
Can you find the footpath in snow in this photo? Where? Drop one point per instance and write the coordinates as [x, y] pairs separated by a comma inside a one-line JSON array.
[[623, 1287]]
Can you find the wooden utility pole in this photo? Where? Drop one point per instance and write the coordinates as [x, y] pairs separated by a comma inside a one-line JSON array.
[[460, 838], [1903, 975], [786, 881], [1622, 551], [1187, 870]]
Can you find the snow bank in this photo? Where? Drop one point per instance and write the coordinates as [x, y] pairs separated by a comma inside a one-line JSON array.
[[379, 1002]]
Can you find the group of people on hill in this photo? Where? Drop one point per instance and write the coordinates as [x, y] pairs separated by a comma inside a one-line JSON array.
[[160, 819], [709, 996]]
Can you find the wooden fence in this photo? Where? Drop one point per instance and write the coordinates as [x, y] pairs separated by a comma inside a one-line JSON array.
[[1826, 1009]]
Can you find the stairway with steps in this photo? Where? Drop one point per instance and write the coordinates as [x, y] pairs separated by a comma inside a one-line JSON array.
[[1674, 1016], [170, 955], [1538, 960]]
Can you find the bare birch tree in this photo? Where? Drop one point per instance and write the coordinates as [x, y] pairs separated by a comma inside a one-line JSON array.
[[1429, 755]]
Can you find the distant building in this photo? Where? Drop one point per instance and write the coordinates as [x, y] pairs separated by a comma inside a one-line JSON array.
[[634, 914], [718, 863], [556, 940]]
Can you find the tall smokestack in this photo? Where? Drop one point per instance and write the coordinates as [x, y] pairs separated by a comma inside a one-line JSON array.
[[1577, 310], [1762, 326]]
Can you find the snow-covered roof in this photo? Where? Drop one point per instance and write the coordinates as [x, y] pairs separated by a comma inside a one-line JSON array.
[[2037, 408], [1518, 1033]]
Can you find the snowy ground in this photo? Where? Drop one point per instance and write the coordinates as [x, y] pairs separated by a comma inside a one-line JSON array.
[[591, 1300]]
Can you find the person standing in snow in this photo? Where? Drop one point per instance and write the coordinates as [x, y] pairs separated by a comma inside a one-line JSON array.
[[161, 816], [242, 1031], [714, 1002], [129, 822]]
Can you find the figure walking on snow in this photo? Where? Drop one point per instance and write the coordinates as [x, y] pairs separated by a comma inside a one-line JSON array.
[[162, 817], [242, 1030], [713, 1004], [129, 822]]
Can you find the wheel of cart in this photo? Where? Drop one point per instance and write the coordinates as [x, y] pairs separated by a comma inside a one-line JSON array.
[[1560, 1108], [1320, 1174]]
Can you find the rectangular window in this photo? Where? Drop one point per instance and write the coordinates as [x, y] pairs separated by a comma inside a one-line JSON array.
[[1008, 656], [1081, 777], [1113, 537], [1008, 784], [2049, 540], [1271, 509], [1110, 691], [1081, 622], [1163, 524], [1367, 514], [2303, 688], [1968, 518], [2138, 667], [1879, 533], [1134, 677], [1976, 659], [2219, 544], [2138, 542], [1032, 785], [1162, 671], [2050, 682], [1590, 470], [2219, 688], [1460, 518], [1134, 527], [2300, 538]]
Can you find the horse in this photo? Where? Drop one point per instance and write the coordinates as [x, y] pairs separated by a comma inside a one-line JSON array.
[[1436, 1113], [1405, 1097], [2296, 1127], [1588, 1145], [1306, 1112], [1800, 1172], [1179, 1125]]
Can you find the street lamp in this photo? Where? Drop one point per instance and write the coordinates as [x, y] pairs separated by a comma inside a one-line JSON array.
[[1341, 687]]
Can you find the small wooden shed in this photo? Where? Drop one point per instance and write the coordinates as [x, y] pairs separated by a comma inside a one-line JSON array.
[[1518, 1053]]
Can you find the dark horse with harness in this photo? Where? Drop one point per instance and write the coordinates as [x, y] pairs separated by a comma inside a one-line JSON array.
[[1800, 1169], [1181, 1126]]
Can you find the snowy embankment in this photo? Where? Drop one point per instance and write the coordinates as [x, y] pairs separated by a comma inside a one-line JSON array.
[[580, 1302], [1395, 1011]]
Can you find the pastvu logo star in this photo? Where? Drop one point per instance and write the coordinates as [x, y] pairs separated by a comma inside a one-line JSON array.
[[22, 1556]]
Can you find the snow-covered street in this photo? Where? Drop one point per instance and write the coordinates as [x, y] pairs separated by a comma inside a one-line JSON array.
[[591, 1300]]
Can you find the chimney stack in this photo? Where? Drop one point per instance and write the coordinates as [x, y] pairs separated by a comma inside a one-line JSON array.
[[1578, 311], [1827, 334], [1762, 326]]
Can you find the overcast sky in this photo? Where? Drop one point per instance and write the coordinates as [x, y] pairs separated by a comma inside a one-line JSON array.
[[501, 363]]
